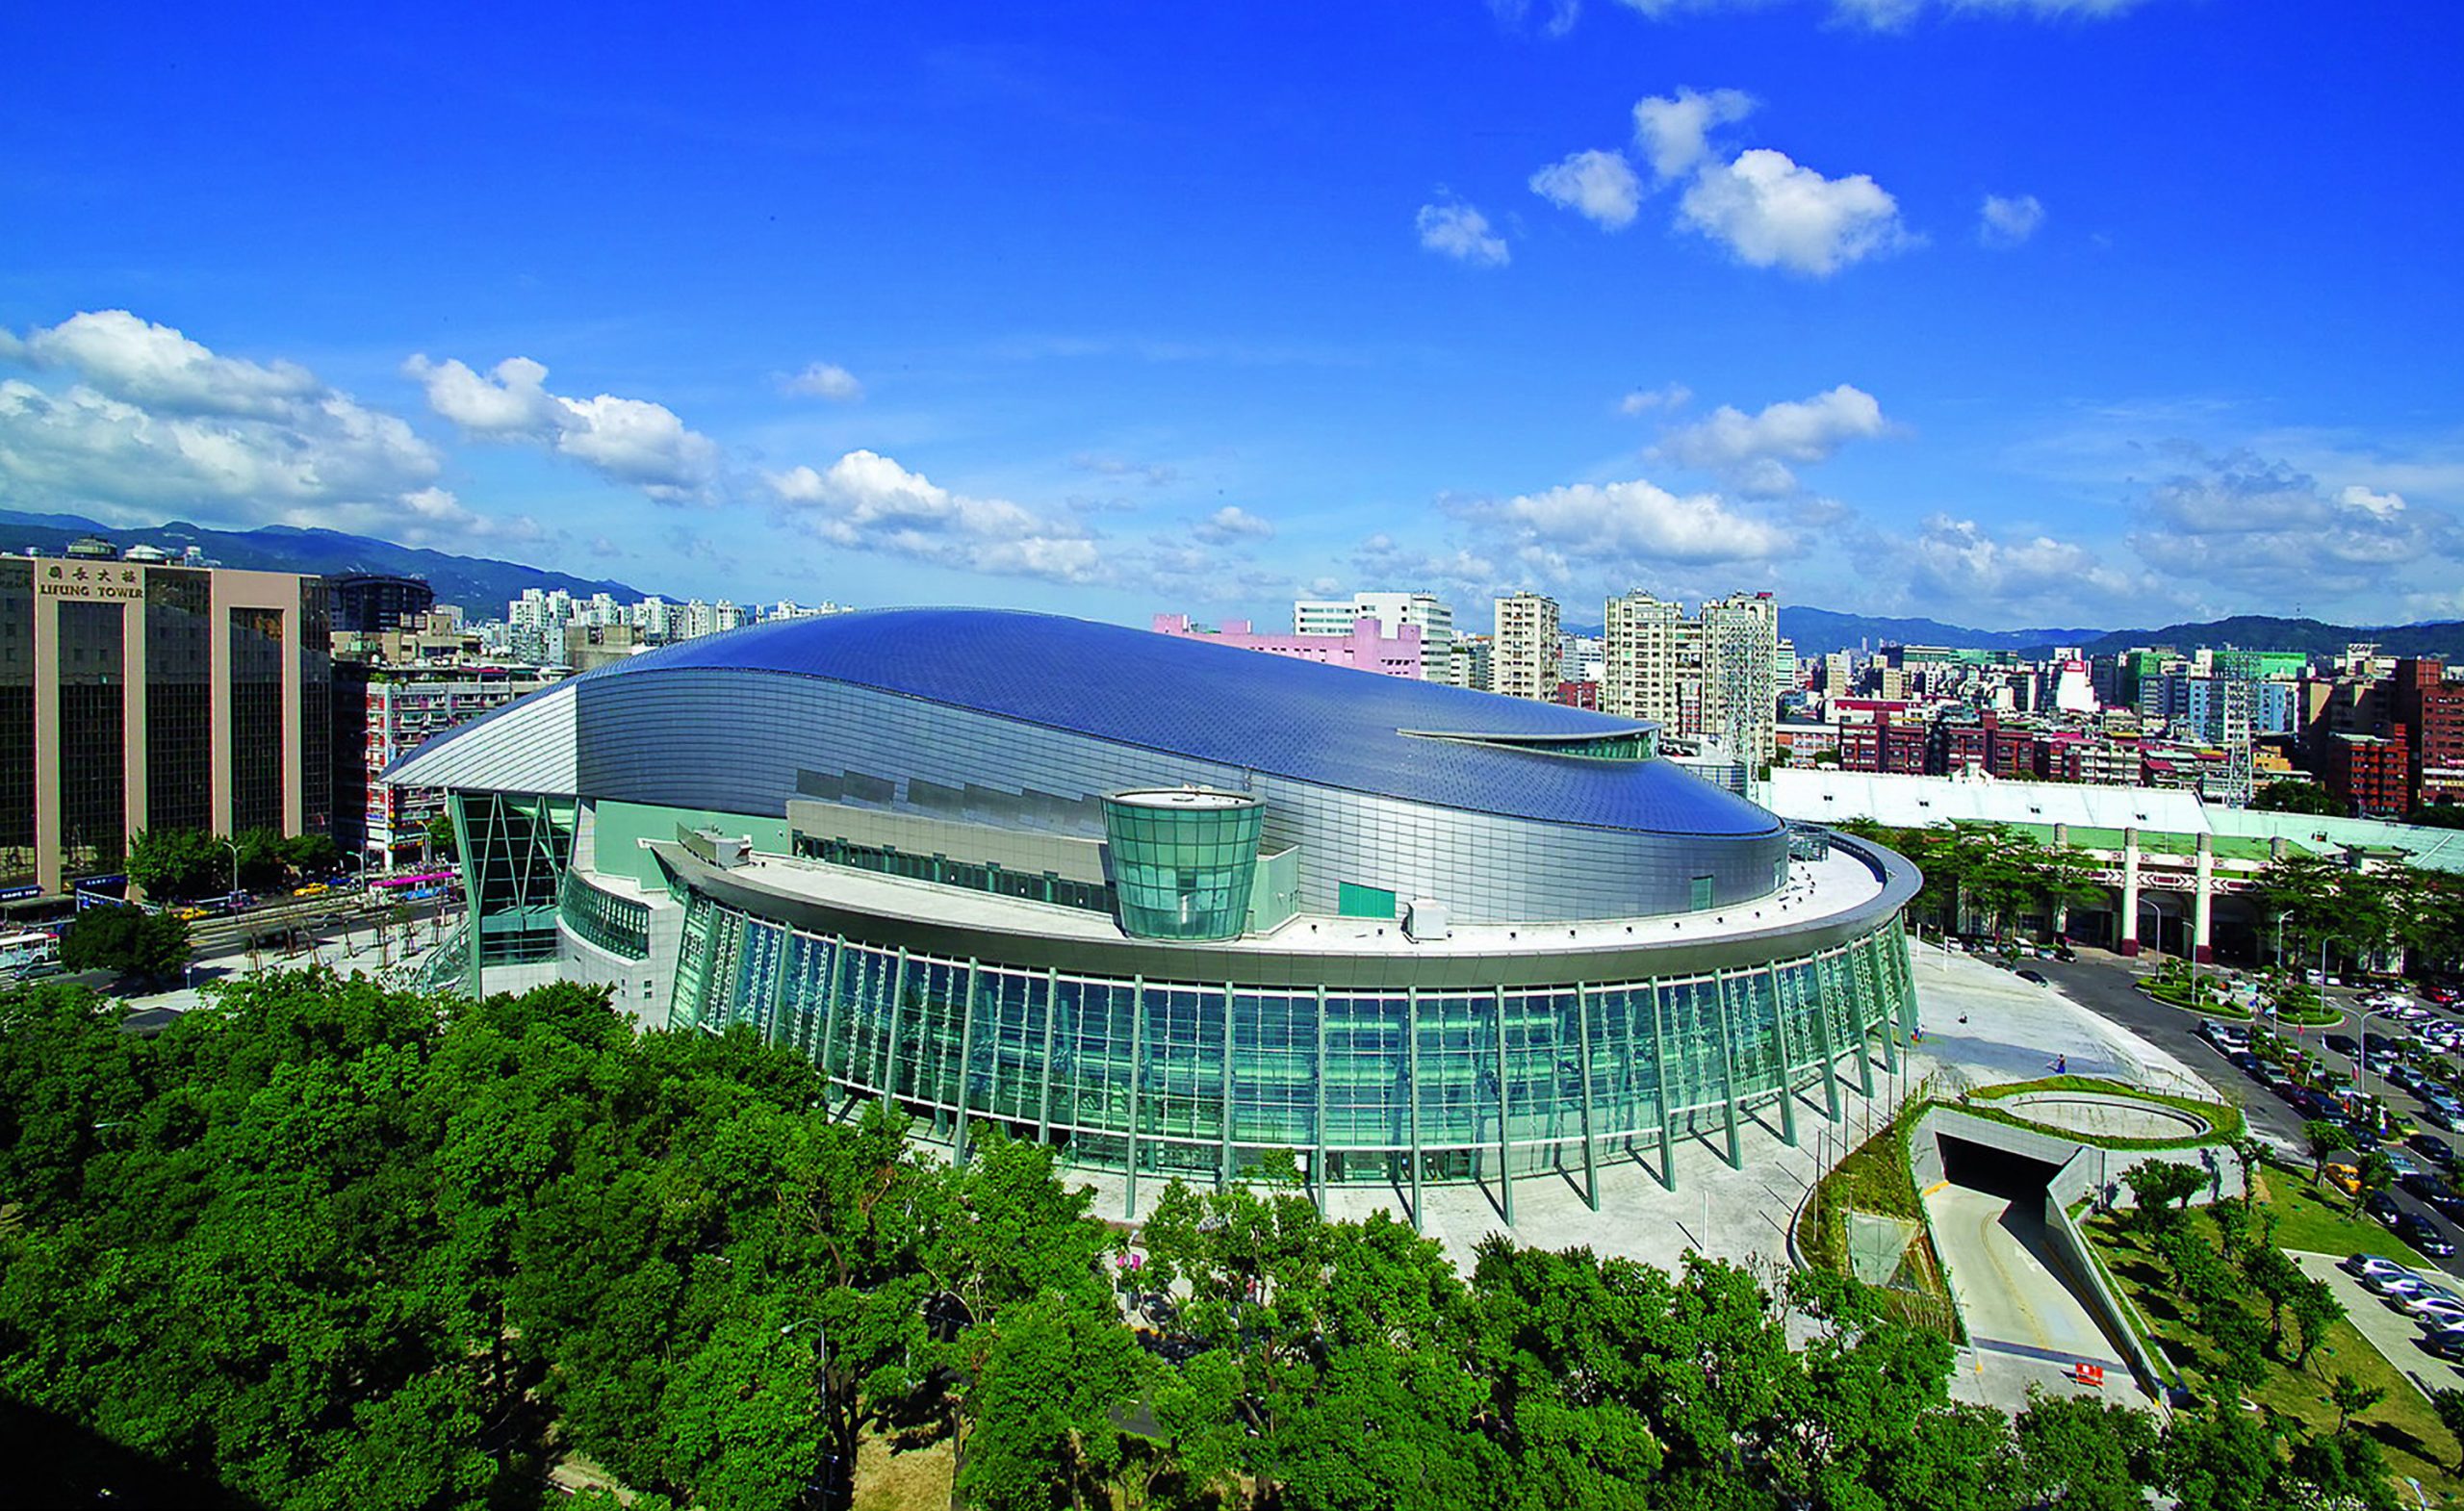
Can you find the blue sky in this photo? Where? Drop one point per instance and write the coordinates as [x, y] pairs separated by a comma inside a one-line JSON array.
[[2008, 311]]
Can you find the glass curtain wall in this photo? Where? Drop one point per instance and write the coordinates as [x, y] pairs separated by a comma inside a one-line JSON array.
[[93, 702], [1196, 1078], [514, 854], [17, 722]]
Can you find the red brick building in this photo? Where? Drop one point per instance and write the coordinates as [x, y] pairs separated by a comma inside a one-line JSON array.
[[2371, 775]]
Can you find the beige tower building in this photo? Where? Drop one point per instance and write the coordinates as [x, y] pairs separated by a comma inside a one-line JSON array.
[[1524, 653], [139, 695], [1707, 674]]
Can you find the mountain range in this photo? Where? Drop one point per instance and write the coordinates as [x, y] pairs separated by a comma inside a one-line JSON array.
[[483, 586], [480, 585]]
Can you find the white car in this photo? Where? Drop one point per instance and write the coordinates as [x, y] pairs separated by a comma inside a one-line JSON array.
[[2367, 1264], [2430, 1294], [2395, 1286], [2436, 1315]]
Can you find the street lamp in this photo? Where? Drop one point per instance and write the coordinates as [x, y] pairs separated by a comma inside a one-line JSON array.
[[233, 846]]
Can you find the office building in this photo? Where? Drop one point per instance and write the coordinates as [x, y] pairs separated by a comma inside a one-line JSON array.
[[1175, 911], [1423, 613], [1366, 649], [141, 696]]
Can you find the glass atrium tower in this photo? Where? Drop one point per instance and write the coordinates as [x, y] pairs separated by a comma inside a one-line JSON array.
[[1178, 907]]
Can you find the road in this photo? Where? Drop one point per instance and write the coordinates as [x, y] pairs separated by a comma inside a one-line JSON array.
[[2028, 1326], [2106, 986]]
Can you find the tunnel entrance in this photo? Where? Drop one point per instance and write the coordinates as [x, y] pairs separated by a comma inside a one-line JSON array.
[[1997, 1172]]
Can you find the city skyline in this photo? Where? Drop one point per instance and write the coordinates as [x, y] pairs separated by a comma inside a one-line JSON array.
[[1108, 315]]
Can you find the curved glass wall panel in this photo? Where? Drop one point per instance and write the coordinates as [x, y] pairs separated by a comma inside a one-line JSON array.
[[1352, 1085], [1182, 860]]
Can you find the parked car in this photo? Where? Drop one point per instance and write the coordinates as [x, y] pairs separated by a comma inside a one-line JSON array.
[[2449, 1204], [2368, 1264], [2381, 1208], [2402, 1164], [2437, 1313], [2424, 1235], [2398, 1282], [2420, 1182], [2342, 1045], [2448, 1343], [2244, 1060], [2434, 1146], [2431, 1293], [2036, 976]]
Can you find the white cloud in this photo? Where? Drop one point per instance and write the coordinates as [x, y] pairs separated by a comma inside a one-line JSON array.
[[1598, 185], [2007, 220], [423, 517], [1753, 449], [2268, 528], [1154, 474], [1462, 233], [1674, 130], [1639, 521], [1887, 15], [865, 501], [630, 441], [154, 366], [1771, 213], [1643, 400], [152, 423], [1561, 19], [1951, 560], [826, 380], [1232, 522]]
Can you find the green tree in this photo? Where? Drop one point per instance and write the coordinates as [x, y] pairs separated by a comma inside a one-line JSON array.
[[442, 843], [2324, 1139], [2089, 1454], [2351, 1398], [177, 862], [2163, 1189], [2449, 1403], [2314, 1310], [1059, 1375], [2298, 797], [127, 939], [2375, 1171]]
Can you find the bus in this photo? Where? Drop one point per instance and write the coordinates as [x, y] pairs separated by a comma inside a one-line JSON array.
[[409, 879], [24, 950]]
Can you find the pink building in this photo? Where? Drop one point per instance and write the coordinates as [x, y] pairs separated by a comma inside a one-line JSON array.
[[1364, 650]]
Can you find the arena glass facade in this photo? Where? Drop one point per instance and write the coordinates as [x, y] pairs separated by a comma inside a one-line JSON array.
[[911, 907]]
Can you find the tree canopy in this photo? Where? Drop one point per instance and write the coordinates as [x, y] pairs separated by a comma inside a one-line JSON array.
[[332, 1244]]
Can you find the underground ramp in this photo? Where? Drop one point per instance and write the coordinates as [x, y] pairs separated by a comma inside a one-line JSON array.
[[2015, 1294]]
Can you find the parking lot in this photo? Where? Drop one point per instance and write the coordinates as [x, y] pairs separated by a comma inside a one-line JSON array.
[[2108, 984]]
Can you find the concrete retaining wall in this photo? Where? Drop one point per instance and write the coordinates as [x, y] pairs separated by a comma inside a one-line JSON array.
[[2083, 1172]]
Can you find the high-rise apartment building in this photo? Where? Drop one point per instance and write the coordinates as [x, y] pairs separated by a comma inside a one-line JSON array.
[[1422, 611], [407, 706], [1712, 674], [137, 695], [1524, 653]]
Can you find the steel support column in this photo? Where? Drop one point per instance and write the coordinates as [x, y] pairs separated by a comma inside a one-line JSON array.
[[1044, 1087], [1505, 1144], [1659, 1064], [1412, 1064], [1822, 1037], [1318, 1122], [1787, 1076], [1590, 1151], [889, 1045], [1224, 1166], [1727, 1072], [966, 1061], [1136, 1073]]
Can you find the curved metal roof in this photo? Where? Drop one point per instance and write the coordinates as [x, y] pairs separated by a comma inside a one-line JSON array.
[[1330, 726]]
